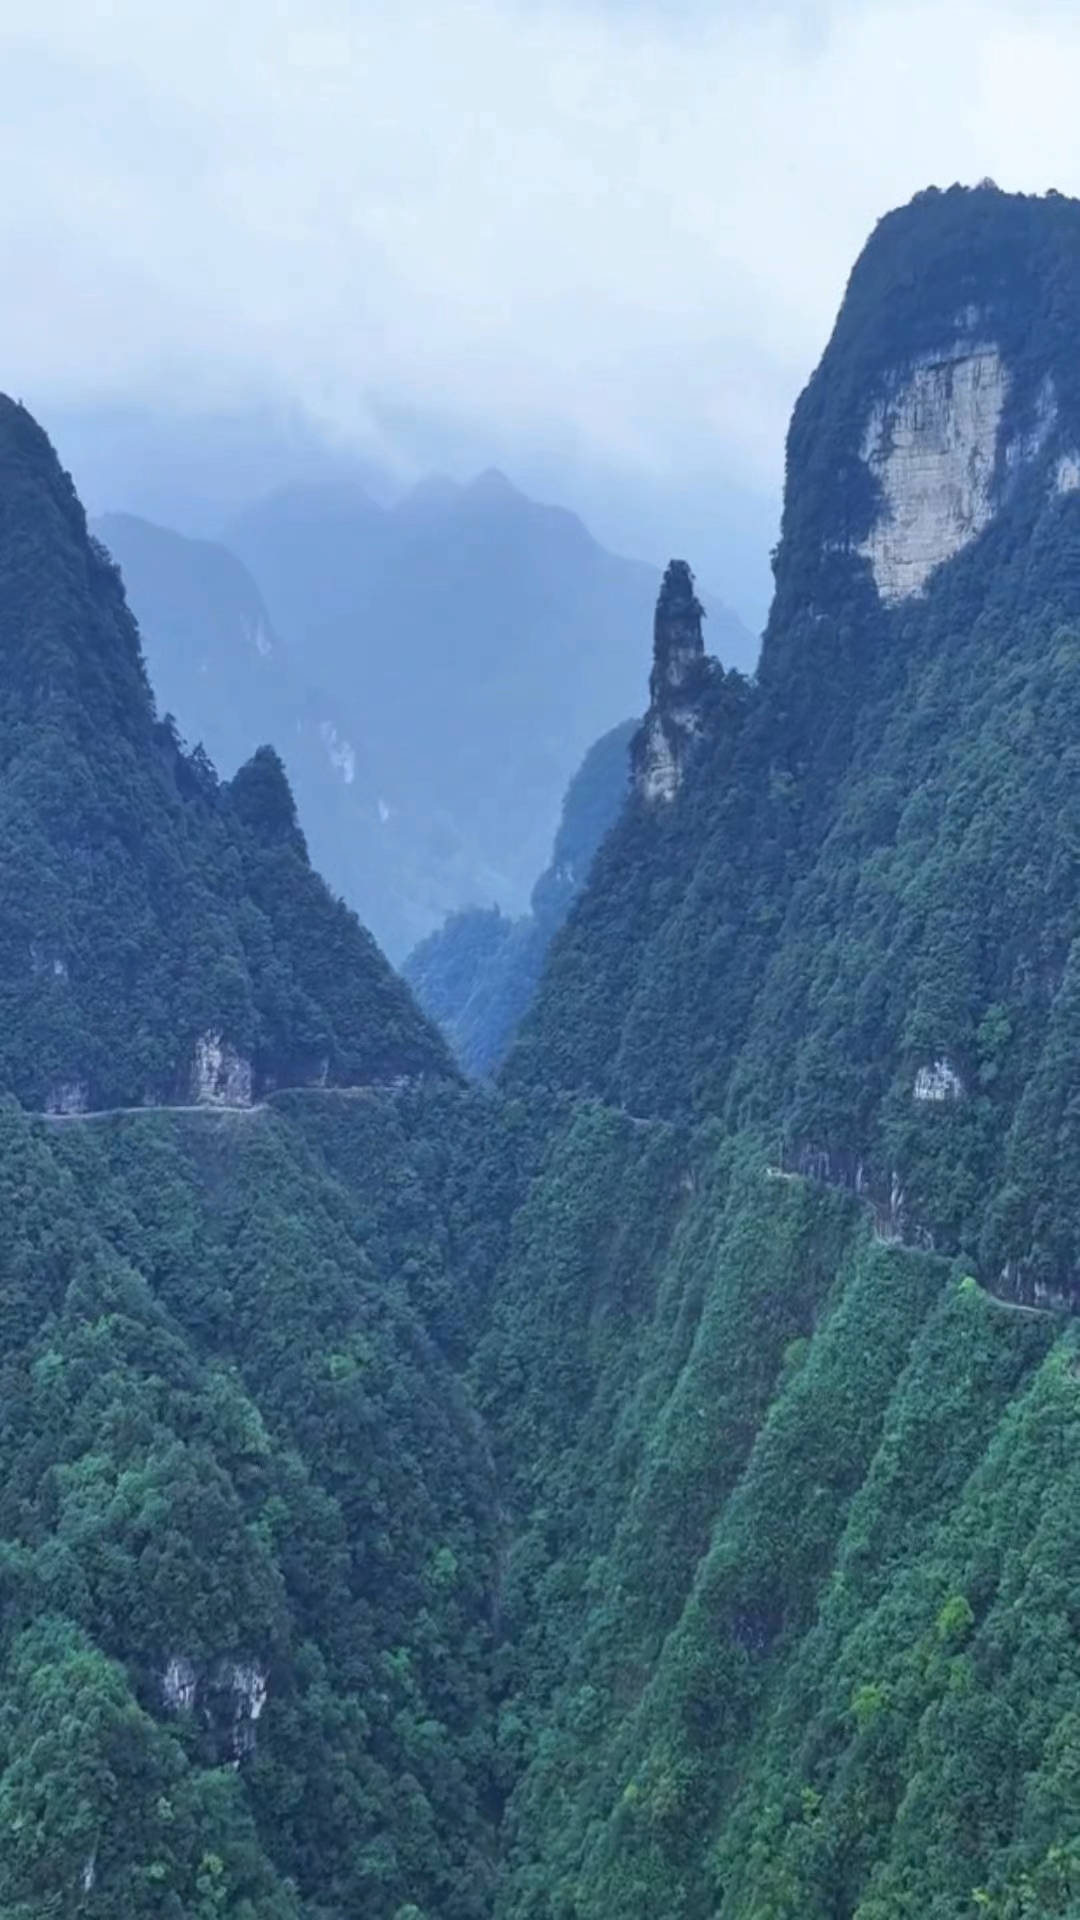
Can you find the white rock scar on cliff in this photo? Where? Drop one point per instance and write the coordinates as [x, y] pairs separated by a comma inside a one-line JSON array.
[[932, 446]]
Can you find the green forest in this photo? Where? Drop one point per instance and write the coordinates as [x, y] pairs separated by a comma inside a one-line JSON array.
[[645, 1485]]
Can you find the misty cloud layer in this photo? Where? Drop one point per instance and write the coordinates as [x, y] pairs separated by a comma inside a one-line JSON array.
[[564, 237]]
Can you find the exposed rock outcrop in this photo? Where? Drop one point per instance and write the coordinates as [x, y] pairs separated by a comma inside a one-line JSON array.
[[673, 724], [179, 1684], [230, 1695], [221, 1076], [244, 1683], [938, 1083], [69, 1097], [932, 446]]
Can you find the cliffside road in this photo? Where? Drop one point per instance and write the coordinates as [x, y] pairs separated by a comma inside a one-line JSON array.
[[214, 1109], [892, 1240], [116, 1113]]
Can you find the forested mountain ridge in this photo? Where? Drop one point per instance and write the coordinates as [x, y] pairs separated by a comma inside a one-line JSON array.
[[796, 1585], [161, 932], [646, 1488], [856, 925]]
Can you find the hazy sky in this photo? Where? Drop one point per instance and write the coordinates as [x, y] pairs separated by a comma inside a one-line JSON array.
[[611, 235]]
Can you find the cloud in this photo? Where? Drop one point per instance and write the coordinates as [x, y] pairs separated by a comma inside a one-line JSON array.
[[620, 229]]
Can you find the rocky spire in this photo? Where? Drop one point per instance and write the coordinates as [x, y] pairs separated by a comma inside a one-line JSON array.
[[679, 672]]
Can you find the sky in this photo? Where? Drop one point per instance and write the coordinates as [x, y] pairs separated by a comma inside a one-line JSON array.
[[600, 245]]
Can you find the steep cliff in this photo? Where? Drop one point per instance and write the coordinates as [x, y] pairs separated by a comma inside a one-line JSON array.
[[900, 766], [791, 1572], [680, 674]]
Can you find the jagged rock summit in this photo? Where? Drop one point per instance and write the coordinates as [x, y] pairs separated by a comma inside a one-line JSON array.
[[163, 937], [680, 673]]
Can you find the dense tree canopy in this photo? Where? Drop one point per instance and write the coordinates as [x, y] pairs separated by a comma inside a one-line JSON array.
[[646, 1487]]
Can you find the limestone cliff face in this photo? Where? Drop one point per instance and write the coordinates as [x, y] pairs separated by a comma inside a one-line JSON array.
[[229, 1695], [947, 398], [680, 672], [221, 1077], [932, 446]]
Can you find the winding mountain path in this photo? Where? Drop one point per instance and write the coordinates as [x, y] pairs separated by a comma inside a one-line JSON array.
[[894, 1240], [215, 1108]]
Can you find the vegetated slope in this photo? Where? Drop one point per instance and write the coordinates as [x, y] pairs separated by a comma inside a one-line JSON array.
[[249, 1534], [487, 640], [477, 974], [157, 928], [248, 1526], [790, 1589], [648, 1488], [867, 880]]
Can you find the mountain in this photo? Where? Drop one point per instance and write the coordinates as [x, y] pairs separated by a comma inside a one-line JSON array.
[[485, 640], [811, 1650], [414, 703], [218, 664], [209, 642], [646, 1486], [476, 975], [160, 932], [238, 1482]]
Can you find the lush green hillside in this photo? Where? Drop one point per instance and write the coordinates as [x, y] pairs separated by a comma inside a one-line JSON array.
[[809, 1571], [249, 1527], [158, 932], [477, 974], [646, 1488]]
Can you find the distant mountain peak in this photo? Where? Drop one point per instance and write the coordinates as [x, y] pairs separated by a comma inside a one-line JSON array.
[[492, 484]]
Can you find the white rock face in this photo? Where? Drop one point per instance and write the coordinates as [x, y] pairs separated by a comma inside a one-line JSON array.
[[247, 1683], [221, 1077], [179, 1684], [1029, 444], [932, 445], [660, 769], [341, 755], [938, 1083], [662, 761], [69, 1097], [233, 1696]]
